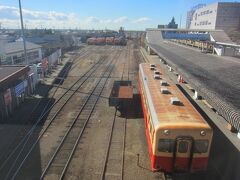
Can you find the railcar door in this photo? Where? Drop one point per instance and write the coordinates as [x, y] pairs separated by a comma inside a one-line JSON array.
[[183, 154]]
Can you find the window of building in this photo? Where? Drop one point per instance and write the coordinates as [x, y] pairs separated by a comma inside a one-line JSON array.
[[32, 55], [15, 57], [165, 145], [9, 59], [18, 60], [200, 146]]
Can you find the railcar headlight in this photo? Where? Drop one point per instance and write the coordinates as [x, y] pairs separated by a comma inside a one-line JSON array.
[[166, 132], [203, 133]]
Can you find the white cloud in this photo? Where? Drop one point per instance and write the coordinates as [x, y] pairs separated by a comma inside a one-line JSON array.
[[9, 17], [120, 20], [142, 20], [92, 19]]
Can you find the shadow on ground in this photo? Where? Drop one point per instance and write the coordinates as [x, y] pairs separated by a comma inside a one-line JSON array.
[[20, 132], [132, 110], [63, 73]]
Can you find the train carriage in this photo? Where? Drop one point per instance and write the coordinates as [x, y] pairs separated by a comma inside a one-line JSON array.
[[179, 139]]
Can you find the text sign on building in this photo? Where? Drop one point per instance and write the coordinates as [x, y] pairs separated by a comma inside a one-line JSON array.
[[19, 89]]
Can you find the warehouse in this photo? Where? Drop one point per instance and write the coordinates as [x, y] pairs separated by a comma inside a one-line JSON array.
[[14, 87]]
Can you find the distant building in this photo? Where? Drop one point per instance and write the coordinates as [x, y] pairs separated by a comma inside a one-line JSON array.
[[190, 14], [51, 42], [12, 53], [161, 26], [221, 15], [170, 25]]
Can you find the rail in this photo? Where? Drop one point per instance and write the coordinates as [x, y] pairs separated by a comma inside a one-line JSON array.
[[42, 105], [89, 103], [110, 140], [65, 101]]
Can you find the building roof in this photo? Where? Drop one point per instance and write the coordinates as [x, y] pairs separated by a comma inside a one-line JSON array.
[[7, 73], [48, 38], [170, 116], [13, 47]]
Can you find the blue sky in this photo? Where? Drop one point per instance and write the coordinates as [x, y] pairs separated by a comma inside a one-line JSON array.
[[95, 14]]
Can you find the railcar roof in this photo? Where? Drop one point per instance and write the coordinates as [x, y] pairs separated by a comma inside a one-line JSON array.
[[171, 116]]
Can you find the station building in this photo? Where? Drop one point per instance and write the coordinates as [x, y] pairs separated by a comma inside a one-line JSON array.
[[15, 85], [12, 53], [221, 15]]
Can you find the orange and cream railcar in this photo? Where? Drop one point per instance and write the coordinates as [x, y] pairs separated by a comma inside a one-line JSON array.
[[178, 137]]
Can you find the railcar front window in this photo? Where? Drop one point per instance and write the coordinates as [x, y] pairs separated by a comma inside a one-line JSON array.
[[183, 147], [201, 146], [165, 145]]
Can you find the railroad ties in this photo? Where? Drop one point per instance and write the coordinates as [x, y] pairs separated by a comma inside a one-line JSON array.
[[63, 154]]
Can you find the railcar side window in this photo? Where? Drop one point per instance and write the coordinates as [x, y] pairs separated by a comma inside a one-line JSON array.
[[165, 145], [183, 146], [201, 146]]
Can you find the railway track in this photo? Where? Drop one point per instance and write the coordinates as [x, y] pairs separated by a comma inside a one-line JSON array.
[[50, 124], [56, 108], [113, 167], [61, 158], [38, 110]]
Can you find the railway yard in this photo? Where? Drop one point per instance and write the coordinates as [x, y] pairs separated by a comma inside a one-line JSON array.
[[67, 130], [71, 132]]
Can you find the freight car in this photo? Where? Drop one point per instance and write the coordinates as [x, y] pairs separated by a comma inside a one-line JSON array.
[[116, 41], [91, 41], [100, 41], [120, 41], [110, 40], [179, 139]]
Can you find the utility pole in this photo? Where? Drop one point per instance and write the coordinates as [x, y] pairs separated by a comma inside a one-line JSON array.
[[23, 37]]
